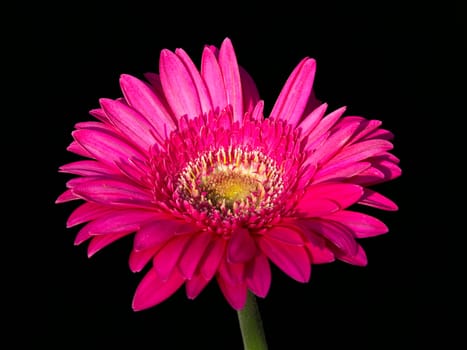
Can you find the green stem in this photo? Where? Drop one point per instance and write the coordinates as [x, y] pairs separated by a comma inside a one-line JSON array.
[[251, 325]]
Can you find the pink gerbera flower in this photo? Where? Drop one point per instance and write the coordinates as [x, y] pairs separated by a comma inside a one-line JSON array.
[[211, 189]]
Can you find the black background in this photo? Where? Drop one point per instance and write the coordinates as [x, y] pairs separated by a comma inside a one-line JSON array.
[[383, 60]]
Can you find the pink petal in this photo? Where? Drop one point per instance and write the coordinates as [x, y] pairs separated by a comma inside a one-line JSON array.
[[142, 98], [118, 221], [179, 88], [317, 197], [152, 289], [231, 77], [111, 191], [293, 98], [212, 75], [316, 207], [369, 177], [359, 258], [312, 120], [203, 93], [212, 258], [325, 124], [241, 247], [88, 168], [168, 257], [136, 171], [160, 230], [293, 260], [99, 242], [377, 200], [105, 146], [195, 285], [337, 234], [258, 276], [99, 114], [320, 253], [139, 259], [362, 225], [231, 272], [333, 145], [285, 235], [362, 150], [387, 167], [257, 113], [340, 171], [66, 196], [193, 253], [76, 148], [131, 123], [234, 294], [86, 212]]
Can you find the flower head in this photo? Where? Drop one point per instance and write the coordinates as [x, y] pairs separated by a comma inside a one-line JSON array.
[[212, 189]]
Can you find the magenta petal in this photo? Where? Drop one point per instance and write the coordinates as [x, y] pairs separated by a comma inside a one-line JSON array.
[[99, 114], [325, 125], [285, 235], [232, 273], [124, 221], [110, 191], [231, 77], [258, 276], [142, 98], [363, 150], [257, 113], [86, 212], [159, 231], [337, 234], [316, 207], [139, 259], [340, 171], [168, 257], [76, 148], [387, 167], [241, 247], [88, 168], [193, 253], [99, 242], [312, 120], [212, 75], [120, 221], [359, 258], [320, 253], [179, 88], [212, 258], [234, 294], [294, 96], [293, 260], [130, 123], [362, 225], [105, 146], [333, 145], [377, 200], [152, 289], [66, 196], [203, 93], [341, 194], [195, 285]]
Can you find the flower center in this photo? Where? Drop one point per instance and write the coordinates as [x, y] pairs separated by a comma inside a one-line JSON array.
[[232, 182], [228, 187]]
